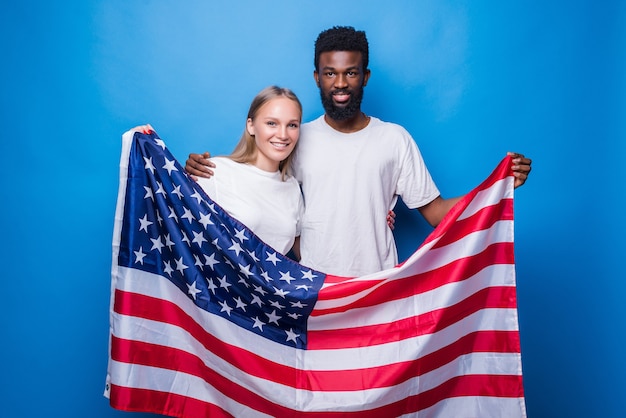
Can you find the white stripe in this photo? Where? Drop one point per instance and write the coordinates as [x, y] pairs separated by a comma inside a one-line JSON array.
[[501, 189], [475, 407]]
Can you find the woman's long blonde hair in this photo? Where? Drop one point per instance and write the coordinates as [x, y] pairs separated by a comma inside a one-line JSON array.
[[246, 150]]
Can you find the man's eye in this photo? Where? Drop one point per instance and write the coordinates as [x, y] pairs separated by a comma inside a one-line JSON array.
[[330, 74]]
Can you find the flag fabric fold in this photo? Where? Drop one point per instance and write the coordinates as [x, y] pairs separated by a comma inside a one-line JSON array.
[[207, 320]]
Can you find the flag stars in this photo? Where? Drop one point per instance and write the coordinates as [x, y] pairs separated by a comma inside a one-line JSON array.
[[210, 261], [177, 192], [172, 214], [160, 189], [160, 142], [149, 165], [187, 215], [168, 242], [241, 235], [140, 255], [167, 268], [272, 258], [304, 287], [240, 304], [193, 290], [266, 276], [258, 323], [197, 196], [280, 292], [170, 166], [277, 305], [198, 262], [272, 317], [256, 299], [145, 223], [253, 256], [225, 307], [245, 270], [260, 290], [298, 304], [180, 266], [185, 238], [211, 285], [149, 193], [291, 336], [157, 244], [235, 247], [198, 238], [224, 283], [205, 220], [286, 277], [308, 275]]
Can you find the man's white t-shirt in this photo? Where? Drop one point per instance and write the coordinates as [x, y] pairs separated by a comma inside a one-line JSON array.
[[350, 182], [261, 200]]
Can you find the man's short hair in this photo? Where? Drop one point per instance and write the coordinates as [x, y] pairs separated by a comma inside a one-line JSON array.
[[342, 38]]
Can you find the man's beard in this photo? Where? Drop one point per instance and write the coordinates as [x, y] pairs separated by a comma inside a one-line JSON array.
[[342, 113]]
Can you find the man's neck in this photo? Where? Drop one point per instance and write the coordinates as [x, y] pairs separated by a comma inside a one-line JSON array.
[[346, 126]]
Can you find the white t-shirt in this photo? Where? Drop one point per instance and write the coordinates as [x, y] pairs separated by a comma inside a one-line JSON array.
[[350, 182], [268, 206]]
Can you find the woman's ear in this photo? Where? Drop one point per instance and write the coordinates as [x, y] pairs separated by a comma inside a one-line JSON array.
[[250, 127]]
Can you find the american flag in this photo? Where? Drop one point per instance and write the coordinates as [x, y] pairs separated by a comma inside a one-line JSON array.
[[207, 320]]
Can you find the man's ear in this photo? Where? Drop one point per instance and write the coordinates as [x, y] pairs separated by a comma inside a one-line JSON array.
[[316, 76], [366, 77]]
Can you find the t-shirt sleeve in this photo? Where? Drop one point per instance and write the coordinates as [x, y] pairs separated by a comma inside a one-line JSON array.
[[210, 185], [415, 184]]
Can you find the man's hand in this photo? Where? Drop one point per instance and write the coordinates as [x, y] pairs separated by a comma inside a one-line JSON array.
[[521, 168], [391, 219], [198, 165]]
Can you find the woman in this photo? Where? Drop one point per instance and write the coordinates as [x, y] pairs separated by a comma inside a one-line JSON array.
[[253, 183]]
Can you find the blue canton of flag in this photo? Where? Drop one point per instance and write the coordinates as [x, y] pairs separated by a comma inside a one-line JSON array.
[[173, 229]]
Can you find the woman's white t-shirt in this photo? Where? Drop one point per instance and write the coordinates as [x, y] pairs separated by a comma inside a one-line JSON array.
[[261, 200]]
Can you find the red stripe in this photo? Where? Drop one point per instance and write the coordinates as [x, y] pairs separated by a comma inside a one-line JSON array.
[[170, 404], [456, 271], [479, 221], [426, 323]]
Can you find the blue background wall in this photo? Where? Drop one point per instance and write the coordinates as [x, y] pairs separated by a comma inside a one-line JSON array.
[[469, 79]]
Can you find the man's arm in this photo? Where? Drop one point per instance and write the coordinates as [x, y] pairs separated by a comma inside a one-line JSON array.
[[198, 165]]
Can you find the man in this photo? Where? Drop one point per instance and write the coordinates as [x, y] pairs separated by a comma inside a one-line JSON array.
[[352, 167]]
